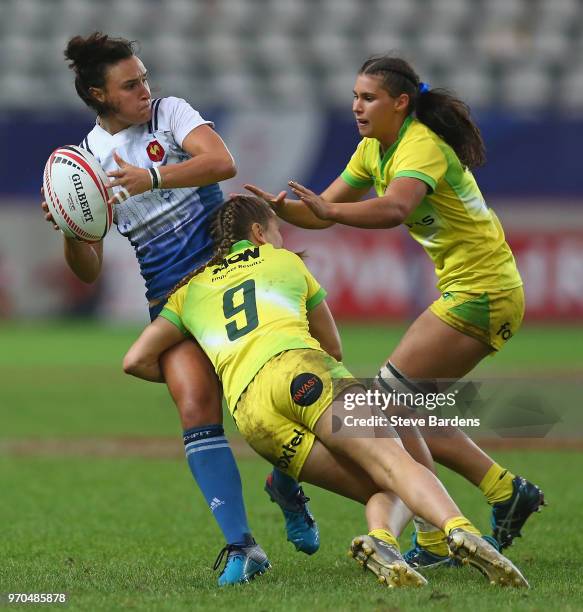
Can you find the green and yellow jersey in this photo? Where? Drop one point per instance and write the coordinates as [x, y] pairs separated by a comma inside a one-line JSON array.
[[247, 310], [454, 225]]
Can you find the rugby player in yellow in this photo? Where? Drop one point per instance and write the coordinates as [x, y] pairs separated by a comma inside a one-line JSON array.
[[417, 150], [262, 319]]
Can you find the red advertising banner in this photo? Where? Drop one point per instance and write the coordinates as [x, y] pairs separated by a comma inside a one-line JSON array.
[[384, 274], [551, 264]]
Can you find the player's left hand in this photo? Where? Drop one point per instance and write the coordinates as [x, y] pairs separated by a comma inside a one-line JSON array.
[[131, 179], [319, 206]]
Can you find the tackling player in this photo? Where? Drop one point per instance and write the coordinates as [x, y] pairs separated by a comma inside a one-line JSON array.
[[262, 319], [417, 150]]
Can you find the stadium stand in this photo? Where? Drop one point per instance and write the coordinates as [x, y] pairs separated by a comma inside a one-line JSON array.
[[281, 52]]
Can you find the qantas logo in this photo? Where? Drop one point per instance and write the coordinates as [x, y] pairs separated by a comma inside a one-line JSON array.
[[155, 151]]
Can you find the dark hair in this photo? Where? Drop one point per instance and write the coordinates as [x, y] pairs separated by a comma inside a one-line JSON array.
[[232, 223], [90, 58], [448, 116]]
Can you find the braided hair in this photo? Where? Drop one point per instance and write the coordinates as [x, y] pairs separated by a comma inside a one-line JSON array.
[[448, 116], [232, 223]]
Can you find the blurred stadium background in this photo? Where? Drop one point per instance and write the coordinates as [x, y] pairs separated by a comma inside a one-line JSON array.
[[276, 76]]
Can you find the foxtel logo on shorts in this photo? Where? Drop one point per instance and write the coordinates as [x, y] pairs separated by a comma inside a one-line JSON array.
[[289, 450]]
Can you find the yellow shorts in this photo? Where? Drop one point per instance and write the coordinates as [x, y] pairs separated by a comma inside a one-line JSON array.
[[492, 317], [279, 409]]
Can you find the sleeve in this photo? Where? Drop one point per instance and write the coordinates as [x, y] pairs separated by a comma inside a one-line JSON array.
[[172, 310], [183, 119], [356, 173], [316, 294], [420, 158]]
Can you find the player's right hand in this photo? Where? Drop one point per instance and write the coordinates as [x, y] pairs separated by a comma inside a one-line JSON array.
[[45, 207], [270, 198]]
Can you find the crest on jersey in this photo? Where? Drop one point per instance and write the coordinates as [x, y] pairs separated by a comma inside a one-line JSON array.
[[155, 151]]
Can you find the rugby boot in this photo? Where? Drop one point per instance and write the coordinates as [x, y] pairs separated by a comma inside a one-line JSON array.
[[385, 562]]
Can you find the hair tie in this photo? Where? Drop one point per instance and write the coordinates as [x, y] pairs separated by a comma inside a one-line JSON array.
[[423, 87]]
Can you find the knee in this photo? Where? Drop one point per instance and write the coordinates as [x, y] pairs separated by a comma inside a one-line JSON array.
[[196, 410]]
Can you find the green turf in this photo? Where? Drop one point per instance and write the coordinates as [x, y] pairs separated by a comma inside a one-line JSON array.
[[66, 380], [136, 534], [118, 534]]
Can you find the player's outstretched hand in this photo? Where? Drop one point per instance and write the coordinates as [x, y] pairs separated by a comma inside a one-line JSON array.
[[132, 180], [313, 201], [270, 198], [45, 207]]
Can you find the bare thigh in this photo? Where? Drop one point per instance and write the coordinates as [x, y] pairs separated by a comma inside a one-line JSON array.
[[432, 349], [193, 385], [334, 472]]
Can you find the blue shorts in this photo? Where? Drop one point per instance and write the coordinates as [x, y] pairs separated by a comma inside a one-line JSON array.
[[156, 309]]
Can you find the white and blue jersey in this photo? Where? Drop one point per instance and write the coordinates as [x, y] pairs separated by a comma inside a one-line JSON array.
[[168, 228]]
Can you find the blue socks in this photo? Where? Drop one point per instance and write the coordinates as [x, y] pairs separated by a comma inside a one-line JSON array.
[[285, 484], [213, 466]]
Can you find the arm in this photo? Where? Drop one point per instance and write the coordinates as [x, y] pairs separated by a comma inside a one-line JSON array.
[[210, 163], [298, 213], [323, 328], [83, 258], [400, 199], [143, 358]]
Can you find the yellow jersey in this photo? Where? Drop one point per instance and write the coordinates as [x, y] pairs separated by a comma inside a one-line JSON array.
[[246, 310], [452, 223]]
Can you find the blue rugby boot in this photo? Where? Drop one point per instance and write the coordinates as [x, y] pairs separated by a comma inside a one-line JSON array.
[[508, 517], [244, 562], [301, 528], [420, 558]]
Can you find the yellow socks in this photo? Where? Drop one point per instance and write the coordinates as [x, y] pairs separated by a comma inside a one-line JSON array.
[[385, 536], [434, 542], [497, 484], [460, 522]]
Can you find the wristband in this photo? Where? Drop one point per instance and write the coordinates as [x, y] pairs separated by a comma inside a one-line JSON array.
[[156, 178]]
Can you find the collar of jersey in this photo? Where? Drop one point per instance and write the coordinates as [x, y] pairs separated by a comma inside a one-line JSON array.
[[124, 131], [389, 152], [242, 244]]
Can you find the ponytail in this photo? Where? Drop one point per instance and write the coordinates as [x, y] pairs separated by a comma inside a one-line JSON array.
[[438, 109]]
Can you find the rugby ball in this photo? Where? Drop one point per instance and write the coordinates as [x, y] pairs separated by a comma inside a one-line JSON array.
[[76, 192]]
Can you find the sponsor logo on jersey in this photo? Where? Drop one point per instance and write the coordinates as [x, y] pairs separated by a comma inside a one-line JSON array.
[[427, 220], [155, 151], [289, 450], [306, 388], [236, 258]]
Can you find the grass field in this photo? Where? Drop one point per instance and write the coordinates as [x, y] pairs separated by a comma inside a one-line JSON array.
[[119, 532]]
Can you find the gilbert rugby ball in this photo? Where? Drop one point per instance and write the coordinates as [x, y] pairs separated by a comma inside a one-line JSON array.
[[76, 192]]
